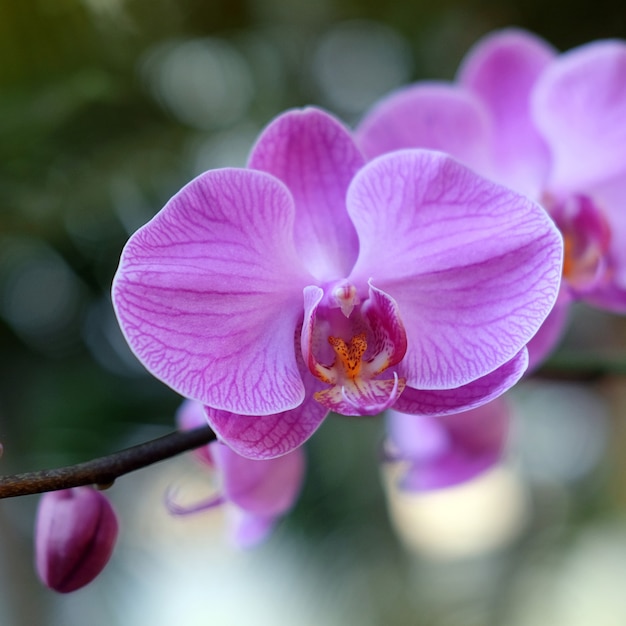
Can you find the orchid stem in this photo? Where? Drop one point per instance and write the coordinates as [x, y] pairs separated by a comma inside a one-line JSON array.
[[104, 470]]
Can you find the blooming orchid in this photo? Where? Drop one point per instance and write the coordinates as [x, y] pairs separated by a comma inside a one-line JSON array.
[[550, 126], [445, 451], [260, 491], [312, 281]]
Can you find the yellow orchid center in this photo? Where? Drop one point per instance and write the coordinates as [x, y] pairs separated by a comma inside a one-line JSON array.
[[349, 355]]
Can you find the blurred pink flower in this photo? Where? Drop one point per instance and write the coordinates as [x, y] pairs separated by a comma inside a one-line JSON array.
[[446, 451], [261, 491], [75, 534], [550, 126]]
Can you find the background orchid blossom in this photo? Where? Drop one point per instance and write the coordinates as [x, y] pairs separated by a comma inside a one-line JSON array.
[[550, 126], [260, 491], [447, 450], [311, 282]]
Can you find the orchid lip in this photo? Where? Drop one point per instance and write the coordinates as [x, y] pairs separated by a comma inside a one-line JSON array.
[[347, 343]]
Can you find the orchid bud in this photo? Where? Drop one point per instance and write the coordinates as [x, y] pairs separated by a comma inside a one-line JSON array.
[[75, 534]]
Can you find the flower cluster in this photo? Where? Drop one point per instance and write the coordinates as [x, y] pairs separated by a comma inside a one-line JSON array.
[[314, 281], [410, 266]]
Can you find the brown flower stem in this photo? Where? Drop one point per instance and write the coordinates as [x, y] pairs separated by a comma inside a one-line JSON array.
[[103, 471]]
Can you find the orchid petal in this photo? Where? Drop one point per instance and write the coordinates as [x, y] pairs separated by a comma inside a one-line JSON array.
[[268, 436], [414, 437], [547, 338], [208, 293], [475, 268], [579, 104], [502, 69], [469, 443], [470, 396], [436, 116], [271, 436], [250, 530], [609, 297], [261, 487], [315, 156]]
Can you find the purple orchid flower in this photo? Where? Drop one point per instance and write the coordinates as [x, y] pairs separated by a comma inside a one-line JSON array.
[[449, 450], [261, 491], [312, 281], [550, 126], [75, 534]]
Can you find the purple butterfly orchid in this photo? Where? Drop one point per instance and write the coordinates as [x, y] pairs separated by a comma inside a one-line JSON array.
[[312, 281]]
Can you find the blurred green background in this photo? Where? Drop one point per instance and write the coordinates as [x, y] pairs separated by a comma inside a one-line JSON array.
[[107, 107]]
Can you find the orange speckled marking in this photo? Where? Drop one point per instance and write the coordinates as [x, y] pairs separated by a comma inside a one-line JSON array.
[[350, 354]]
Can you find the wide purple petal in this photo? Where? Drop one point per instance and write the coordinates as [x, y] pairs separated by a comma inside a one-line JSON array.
[[502, 69], [478, 392], [468, 443], [315, 156], [579, 104], [209, 293], [475, 268], [262, 487], [268, 436], [436, 116], [271, 436]]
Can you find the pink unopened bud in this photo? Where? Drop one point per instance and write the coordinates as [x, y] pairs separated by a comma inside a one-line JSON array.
[[75, 535]]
